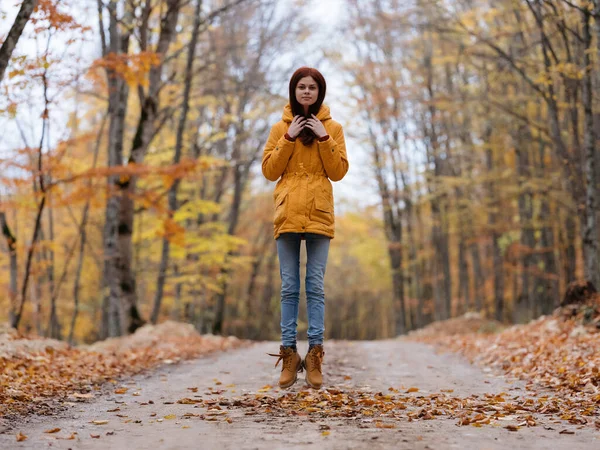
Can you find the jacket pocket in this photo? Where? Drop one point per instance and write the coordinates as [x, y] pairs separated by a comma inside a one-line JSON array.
[[280, 208], [323, 210]]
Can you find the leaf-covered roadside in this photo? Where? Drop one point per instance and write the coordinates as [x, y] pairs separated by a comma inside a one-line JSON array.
[[390, 409], [38, 380], [557, 356]]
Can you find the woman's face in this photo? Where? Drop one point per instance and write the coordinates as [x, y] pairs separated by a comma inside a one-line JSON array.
[[307, 91]]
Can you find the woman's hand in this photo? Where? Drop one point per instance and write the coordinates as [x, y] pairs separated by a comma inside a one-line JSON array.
[[296, 126], [316, 126]]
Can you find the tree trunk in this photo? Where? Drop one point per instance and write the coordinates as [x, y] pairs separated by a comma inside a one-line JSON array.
[[54, 328], [173, 204], [124, 316], [547, 291], [478, 276], [259, 251], [11, 244], [497, 260], [570, 257], [266, 317], [14, 34], [113, 315], [239, 178], [83, 239], [463, 277], [40, 210], [524, 309], [416, 269], [589, 228]]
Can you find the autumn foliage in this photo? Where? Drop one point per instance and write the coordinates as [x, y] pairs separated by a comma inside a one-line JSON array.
[[37, 376]]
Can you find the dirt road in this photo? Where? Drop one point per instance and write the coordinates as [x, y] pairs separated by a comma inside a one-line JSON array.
[[147, 415]]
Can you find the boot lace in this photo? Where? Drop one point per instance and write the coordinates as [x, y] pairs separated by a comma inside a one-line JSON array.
[[285, 356], [315, 359]]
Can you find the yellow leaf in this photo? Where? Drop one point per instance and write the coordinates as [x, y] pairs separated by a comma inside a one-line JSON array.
[[120, 390], [15, 73], [325, 433], [53, 430], [99, 422], [68, 438], [170, 417], [412, 389], [78, 395]]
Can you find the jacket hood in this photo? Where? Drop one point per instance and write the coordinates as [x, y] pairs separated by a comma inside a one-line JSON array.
[[323, 114]]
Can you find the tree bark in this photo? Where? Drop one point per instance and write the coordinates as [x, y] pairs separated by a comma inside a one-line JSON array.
[[523, 309], [54, 328], [14, 34], [40, 209], [497, 259], [266, 317], [113, 313], [83, 239], [124, 316], [172, 195], [589, 228], [11, 244]]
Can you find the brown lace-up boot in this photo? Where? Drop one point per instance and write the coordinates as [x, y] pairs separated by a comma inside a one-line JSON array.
[[312, 363], [292, 364]]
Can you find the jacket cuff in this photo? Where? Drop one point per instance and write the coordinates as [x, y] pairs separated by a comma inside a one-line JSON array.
[[284, 146], [289, 138], [324, 138], [327, 147]]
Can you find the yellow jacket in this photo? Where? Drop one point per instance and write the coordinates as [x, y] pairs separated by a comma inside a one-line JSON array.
[[303, 195]]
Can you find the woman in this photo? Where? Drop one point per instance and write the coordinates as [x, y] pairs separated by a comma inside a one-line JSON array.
[[305, 150]]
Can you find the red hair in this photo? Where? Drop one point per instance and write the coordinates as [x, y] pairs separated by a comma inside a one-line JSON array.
[[307, 136]]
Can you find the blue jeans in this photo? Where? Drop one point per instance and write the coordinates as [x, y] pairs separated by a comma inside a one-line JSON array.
[[288, 250]]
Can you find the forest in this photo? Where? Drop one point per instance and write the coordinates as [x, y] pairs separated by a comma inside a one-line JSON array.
[[133, 130]]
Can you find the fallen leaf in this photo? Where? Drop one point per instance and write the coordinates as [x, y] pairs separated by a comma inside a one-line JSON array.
[[188, 401], [412, 389], [21, 437], [121, 390], [82, 396], [567, 432], [95, 436], [99, 422], [67, 438], [325, 433], [170, 417], [53, 430]]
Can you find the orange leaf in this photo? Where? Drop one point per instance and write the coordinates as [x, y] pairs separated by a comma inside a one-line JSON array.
[[21, 437]]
